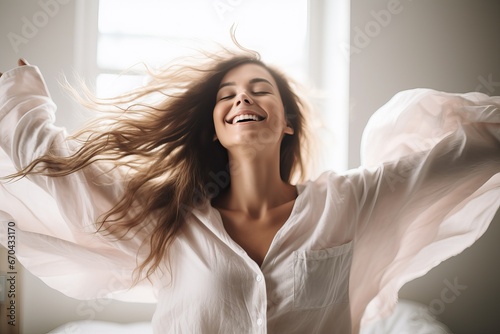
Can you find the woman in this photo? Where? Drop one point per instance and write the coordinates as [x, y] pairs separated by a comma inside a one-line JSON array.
[[197, 192]]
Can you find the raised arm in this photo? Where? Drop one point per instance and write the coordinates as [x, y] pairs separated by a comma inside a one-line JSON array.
[[27, 115], [429, 188], [54, 216]]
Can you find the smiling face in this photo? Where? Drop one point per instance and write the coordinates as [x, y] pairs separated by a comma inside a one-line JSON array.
[[249, 109]]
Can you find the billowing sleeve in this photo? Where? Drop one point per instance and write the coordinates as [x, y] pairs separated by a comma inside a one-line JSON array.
[[52, 219], [428, 188]]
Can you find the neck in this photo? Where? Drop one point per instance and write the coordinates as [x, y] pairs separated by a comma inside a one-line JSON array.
[[256, 184]]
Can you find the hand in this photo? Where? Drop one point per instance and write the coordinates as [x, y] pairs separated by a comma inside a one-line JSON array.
[[20, 62]]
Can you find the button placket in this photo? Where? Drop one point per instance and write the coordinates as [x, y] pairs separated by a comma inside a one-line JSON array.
[[261, 309]]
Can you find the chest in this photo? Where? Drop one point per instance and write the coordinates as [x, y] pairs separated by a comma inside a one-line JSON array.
[[297, 240], [255, 235]]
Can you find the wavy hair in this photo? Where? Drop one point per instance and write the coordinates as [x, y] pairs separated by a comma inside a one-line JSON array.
[[162, 135]]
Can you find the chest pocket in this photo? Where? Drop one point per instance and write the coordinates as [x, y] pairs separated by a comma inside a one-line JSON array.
[[321, 277]]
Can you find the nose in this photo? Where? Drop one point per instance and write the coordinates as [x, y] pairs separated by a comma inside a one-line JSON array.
[[243, 98]]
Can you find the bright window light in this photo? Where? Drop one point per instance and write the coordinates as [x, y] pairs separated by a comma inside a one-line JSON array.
[[155, 32]]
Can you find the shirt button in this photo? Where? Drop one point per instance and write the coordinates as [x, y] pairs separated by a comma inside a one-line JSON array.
[[259, 278], [259, 322]]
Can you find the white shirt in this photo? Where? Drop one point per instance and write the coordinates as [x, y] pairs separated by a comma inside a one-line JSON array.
[[428, 189]]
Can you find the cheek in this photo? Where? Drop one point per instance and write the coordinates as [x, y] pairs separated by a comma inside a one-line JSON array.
[[217, 117], [278, 111], [220, 110]]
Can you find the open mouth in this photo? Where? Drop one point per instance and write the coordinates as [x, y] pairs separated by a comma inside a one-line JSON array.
[[245, 119]]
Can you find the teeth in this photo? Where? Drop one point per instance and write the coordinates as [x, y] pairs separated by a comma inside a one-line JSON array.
[[245, 117]]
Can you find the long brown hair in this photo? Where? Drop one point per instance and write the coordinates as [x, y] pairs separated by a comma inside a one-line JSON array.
[[162, 135]]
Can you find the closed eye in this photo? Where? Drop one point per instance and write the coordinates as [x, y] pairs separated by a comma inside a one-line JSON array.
[[261, 93], [227, 97]]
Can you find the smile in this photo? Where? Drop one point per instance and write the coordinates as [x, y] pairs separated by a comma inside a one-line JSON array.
[[246, 118]]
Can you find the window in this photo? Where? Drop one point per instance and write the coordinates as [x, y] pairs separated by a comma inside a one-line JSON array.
[[155, 32], [305, 38]]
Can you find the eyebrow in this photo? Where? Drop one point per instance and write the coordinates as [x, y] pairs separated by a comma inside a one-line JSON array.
[[255, 80]]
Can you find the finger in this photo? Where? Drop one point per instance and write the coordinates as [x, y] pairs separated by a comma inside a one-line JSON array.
[[22, 62]]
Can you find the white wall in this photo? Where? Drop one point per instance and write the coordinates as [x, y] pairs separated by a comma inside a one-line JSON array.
[[449, 45], [43, 33]]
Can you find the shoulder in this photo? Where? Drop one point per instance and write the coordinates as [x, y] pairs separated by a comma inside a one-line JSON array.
[[331, 182], [351, 185]]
